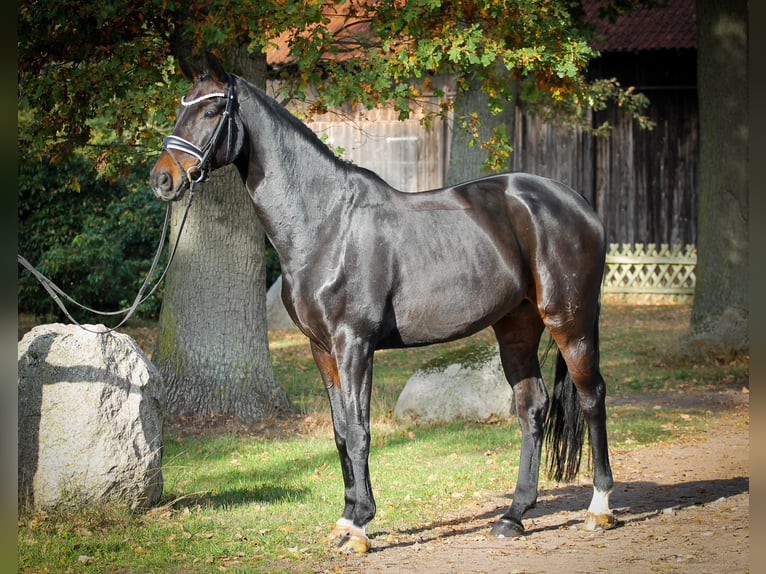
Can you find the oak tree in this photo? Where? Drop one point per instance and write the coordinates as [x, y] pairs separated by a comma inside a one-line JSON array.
[[721, 301]]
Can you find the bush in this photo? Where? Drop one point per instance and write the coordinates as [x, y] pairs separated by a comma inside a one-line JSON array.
[[93, 238]]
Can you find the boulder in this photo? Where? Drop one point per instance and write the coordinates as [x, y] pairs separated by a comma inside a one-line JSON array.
[[470, 386], [89, 420], [276, 314]]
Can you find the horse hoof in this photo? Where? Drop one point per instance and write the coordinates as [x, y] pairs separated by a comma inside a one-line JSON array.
[[339, 531], [594, 522], [353, 544], [507, 528]]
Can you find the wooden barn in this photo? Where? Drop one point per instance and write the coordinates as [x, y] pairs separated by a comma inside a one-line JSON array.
[[642, 183]]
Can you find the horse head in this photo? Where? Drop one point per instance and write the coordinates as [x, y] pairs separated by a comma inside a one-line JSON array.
[[204, 137]]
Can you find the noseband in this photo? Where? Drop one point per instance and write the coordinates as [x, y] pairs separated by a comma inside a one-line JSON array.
[[201, 171]]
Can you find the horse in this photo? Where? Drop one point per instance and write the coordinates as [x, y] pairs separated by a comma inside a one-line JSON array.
[[368, 267]]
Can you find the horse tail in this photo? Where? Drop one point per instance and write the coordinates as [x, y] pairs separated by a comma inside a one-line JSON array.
[[565, 425]]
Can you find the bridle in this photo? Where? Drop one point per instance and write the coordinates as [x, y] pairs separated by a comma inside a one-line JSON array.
[[201, 171]]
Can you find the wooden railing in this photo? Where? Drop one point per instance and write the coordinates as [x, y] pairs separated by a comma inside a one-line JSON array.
[[652, 271]]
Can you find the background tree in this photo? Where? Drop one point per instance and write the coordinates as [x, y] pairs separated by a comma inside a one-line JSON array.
[[466, 159], [721, 297], [212, 344], [86, 70]]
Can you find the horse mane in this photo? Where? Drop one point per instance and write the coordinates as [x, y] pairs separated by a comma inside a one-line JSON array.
[[285, 122], [284, 115]]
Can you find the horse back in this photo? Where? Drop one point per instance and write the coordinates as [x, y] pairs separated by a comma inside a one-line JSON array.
[[439, 265]]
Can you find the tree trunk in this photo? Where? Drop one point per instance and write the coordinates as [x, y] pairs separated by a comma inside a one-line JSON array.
[[466, 161], [212, 346], [721, 299]]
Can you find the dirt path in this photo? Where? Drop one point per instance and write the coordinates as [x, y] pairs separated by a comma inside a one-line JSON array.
[[684, 507]]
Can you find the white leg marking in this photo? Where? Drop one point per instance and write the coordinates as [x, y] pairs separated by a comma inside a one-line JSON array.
[[599, 504], [344, 523], [348, 526], [353, 539]]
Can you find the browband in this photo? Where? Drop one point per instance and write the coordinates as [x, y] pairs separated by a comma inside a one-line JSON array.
[[201, 98]]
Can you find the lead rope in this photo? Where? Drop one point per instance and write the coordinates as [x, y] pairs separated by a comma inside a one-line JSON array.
[[54, 290]]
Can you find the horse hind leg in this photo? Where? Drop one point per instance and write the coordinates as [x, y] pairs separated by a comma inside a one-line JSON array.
[[578, 370], [518, 336]]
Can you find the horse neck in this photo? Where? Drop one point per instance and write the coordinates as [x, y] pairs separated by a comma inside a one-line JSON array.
[[293, 178]]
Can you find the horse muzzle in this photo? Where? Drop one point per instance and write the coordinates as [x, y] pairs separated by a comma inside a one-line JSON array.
[[167, 187]]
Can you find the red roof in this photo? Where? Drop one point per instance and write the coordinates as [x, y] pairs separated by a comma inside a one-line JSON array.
[[672, 25], [349, 32]]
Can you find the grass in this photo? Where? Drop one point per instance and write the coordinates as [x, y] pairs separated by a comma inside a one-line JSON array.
[[262, 499]]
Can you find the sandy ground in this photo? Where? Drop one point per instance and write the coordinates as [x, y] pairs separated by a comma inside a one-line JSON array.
[[684, 507]]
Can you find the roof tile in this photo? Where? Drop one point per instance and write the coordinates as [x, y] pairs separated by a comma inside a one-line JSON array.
[[672, 25]]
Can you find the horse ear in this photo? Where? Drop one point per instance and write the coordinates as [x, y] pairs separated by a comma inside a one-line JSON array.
[[214, 67], [189, 70]]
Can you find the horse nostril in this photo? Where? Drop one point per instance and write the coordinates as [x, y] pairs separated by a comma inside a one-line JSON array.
[[163, 181]]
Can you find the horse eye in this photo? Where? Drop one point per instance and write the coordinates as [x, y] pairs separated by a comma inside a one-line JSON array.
[[210, 113]]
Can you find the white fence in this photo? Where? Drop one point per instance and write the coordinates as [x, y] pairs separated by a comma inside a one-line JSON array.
[[651, 271]]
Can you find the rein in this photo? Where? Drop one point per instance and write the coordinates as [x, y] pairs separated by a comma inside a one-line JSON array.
[[54, 290]]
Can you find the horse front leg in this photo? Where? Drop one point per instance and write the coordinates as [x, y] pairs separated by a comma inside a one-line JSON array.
[[349, 397], [328, 368]]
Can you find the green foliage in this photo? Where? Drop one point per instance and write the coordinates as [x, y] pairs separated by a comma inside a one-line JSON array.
[[495, 44], [96, 243], [84, 60]]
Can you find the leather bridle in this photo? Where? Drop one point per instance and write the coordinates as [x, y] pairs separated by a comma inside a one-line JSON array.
[[201, 171]]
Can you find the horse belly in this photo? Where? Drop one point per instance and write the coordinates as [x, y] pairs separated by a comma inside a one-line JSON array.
[[454, 300]]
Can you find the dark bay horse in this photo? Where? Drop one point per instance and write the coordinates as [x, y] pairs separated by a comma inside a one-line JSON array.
[[367, 267]]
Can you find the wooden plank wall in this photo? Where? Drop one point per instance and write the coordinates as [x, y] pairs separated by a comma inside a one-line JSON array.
[[642, 183], [404, 153], [561, 153], [659, 182]]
